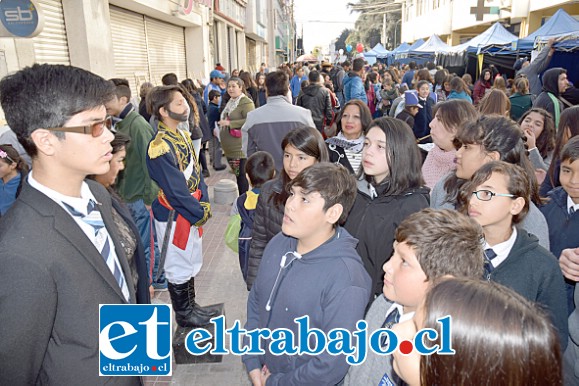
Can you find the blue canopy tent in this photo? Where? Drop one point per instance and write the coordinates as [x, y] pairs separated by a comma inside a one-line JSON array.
[[495, 38], [428, 51], [392, 55], [558, 26], [402, 55], [378, 52], [370, 57]]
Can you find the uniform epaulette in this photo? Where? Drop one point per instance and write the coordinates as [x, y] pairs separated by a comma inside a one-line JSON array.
[[158, 147]]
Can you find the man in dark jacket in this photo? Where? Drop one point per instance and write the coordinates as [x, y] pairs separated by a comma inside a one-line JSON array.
[[316, 98], [532, 70], [554, 84]]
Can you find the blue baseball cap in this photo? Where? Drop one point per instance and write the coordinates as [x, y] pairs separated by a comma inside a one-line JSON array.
[[411, 98], [216, 74]]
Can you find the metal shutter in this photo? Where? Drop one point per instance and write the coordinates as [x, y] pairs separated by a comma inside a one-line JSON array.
[[129, 47], [166, 44], [51, 45], [251, 49]]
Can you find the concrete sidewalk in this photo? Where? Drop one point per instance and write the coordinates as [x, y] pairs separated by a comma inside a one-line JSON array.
[[219, 281]]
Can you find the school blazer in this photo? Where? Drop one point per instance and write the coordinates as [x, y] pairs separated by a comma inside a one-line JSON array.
[[52, 280]]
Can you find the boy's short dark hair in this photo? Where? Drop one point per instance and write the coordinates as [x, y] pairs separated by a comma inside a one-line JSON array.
[[169, 79], [276, 83], [421, 83], [358, 64], [445, 242], [260, 167], [122, 88], [334, 182], [213, 94], [570, 151], [47, 96], [314, 76]]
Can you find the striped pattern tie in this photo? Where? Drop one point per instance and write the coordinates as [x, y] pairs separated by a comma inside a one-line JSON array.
[[103, 242], [489, 255], [392, 318]]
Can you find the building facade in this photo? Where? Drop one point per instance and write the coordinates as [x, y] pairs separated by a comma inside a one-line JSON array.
[[281, 32], [458, 21], [140, 40], [256, 43], [228, 33]]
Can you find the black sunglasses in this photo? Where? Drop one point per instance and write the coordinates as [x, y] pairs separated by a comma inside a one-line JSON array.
[[95, 129]]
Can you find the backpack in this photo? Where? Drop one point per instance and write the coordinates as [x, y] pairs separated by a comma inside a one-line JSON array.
[[334, 78]]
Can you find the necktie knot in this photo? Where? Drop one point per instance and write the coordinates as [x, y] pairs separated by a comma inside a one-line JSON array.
[[490, 254], [391, 319], [488, 266]]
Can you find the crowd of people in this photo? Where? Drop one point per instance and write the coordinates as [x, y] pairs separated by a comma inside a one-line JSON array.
[[395, 195]]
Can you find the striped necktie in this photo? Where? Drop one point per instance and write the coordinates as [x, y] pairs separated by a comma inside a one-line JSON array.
[[392, 318], [572, 210], [103, 242], [489, 255]]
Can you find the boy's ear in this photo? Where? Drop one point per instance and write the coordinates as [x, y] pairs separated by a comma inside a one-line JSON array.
[[44, 141], [163, 112], [517, 205], [495, 155], [334, 213]]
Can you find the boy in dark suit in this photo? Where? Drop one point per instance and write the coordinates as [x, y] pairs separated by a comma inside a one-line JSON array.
[[60, 251]]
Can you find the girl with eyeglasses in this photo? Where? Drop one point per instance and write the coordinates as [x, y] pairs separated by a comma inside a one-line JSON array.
[[478, 142], [498, 197], [13, 171]]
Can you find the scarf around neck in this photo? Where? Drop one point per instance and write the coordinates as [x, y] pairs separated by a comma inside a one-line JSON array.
[[354, 145], [231, 106]]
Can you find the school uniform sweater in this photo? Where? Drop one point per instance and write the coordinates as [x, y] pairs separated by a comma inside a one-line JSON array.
[[563, 231], [533, 272]]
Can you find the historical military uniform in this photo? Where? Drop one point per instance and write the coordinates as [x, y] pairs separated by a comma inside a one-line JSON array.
[[173, 165]]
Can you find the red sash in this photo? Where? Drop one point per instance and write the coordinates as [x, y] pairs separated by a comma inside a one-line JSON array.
[[182, 226]]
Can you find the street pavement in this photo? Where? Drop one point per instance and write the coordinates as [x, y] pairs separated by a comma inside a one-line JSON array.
[[219, 281]]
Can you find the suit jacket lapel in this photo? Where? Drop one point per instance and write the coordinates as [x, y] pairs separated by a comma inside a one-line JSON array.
[[69, 229]]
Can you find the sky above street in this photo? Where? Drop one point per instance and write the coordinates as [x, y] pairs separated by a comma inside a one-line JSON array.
[[312, 15]]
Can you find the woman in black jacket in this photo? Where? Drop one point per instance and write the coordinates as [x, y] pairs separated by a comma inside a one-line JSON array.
[[302, 148], [351, 126], [389, 190]]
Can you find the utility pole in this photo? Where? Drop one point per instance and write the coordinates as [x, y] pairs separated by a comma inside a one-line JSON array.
[[384, 30]]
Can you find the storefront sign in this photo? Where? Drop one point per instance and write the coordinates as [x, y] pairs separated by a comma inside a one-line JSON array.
[[20, 18]]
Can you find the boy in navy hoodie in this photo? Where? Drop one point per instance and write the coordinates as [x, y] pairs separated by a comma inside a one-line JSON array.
[[213, 118], [497, 197], [562, 215], [312, 269]]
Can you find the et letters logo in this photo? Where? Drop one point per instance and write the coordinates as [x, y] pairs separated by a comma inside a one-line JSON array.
[[135, 339]]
